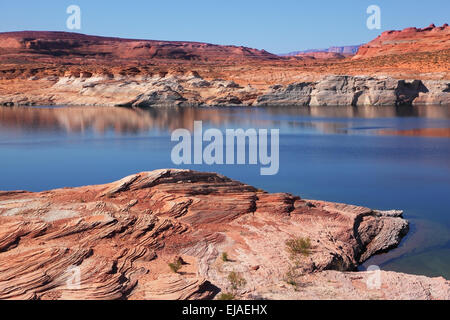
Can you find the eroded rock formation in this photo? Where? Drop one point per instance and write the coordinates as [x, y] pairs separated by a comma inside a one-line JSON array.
[[359, 91], [118, 239], [193, 90]]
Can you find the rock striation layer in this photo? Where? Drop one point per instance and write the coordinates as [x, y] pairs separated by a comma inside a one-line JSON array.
[[193, 90], [115, 241], [359, 91]]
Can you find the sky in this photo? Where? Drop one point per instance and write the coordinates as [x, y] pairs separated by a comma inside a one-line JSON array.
[[278, 26]]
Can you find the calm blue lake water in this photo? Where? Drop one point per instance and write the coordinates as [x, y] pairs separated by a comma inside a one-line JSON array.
[[330, 153]]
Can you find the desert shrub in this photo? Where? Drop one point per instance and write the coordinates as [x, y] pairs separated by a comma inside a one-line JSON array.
[[175, 266], [236, 280], [291, 277], [298, 246], [224, 257], [226, 296]]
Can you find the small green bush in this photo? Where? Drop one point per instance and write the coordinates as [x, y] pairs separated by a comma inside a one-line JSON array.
[[236, 280], [225, 257], [298, 246], [226, 296], [175, 266], [291, 277]]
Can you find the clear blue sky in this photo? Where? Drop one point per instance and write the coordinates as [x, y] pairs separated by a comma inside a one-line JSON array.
[[278, 25]]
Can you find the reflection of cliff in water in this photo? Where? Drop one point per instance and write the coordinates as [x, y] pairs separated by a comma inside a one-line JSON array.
[[368, 112], [80, 119], [127, 120], [102, 119]]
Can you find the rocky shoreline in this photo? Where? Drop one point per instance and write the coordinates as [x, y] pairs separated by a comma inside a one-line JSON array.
[[224, 237], [194, 91], [359, 91]]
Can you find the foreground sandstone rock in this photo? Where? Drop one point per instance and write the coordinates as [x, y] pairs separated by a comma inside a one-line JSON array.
[[120, 237]]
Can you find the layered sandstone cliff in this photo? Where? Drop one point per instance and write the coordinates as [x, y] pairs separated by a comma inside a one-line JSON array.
[[359, 91], [119, 238], [68, 68], [193, 90]]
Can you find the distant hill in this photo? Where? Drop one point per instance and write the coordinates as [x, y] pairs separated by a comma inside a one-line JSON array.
[[409, 40], [345, 50], [44, 44]]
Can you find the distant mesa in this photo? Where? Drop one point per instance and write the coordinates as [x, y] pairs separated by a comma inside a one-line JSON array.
[[408, 40], [66, 44], [330, 53], [65, 47], [428, 39]]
